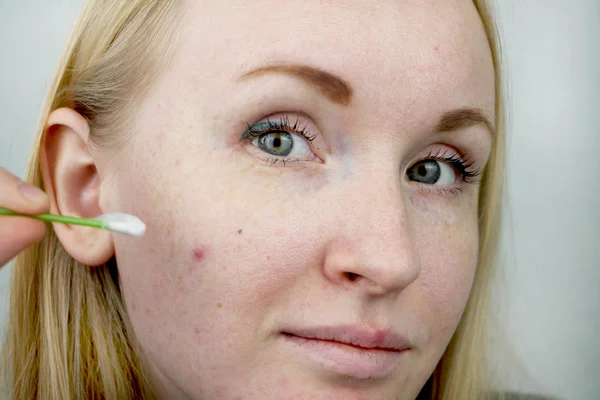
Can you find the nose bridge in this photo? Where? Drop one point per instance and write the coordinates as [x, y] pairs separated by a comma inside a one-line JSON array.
[[377, 234], [379, 217]]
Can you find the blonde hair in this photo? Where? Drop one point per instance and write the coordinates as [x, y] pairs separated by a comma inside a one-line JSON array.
[[68, 335]]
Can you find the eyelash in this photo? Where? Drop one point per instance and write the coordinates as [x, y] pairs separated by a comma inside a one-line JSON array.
[[282, 125], [461, 164]]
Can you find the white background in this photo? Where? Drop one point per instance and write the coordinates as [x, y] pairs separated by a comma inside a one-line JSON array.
[[552, 241]]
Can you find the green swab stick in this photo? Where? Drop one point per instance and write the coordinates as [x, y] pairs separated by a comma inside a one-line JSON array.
[[115, 222]]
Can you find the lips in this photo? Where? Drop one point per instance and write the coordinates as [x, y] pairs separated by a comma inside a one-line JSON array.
[[366, 339], [349, 351]]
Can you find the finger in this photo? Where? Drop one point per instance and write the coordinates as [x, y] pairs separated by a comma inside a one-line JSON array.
[[17, 233], [21, 197]]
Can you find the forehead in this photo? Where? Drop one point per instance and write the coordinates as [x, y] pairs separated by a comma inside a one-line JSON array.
[[416, 51]]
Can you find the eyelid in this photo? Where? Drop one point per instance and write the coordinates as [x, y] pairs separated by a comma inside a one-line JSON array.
[[249, 130]]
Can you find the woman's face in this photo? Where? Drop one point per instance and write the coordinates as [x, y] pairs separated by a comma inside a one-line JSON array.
[[308, 172]]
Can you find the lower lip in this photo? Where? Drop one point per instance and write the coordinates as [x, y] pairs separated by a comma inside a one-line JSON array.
[[347, 360]]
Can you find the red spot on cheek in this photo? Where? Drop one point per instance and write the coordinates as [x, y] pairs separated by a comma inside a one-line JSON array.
[[437, 49], [199, 253]]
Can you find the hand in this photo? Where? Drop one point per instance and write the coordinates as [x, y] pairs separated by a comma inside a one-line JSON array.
[[16, 233]]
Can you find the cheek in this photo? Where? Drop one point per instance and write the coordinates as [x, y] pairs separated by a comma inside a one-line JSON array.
[[203, 255], [448, 250]]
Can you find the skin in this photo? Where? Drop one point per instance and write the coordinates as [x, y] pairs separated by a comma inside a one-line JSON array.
[[237, 248]]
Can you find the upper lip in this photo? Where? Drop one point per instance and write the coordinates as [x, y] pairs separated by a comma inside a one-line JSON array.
[[380, 339]]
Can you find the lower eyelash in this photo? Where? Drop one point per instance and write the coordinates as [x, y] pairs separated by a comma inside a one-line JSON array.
[[272, 161], [452, 191]]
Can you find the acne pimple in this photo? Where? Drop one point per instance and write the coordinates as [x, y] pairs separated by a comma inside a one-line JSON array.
[[219, 305], [199, 253]]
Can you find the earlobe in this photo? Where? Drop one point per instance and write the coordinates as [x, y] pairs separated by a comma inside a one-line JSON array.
[[73, 185]]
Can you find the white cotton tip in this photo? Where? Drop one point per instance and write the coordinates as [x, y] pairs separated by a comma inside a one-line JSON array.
[[123, 223]]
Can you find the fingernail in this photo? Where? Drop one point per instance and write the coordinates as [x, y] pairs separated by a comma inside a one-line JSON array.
[[31, 192]]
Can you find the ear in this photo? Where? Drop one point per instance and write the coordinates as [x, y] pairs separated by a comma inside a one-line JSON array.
[[73, 186]]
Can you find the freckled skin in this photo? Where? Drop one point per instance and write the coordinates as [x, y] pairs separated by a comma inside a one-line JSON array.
[[208, 316]]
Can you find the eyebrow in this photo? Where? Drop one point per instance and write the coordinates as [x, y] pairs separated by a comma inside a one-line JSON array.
[[339, 91], [331, 86], [464, 118]]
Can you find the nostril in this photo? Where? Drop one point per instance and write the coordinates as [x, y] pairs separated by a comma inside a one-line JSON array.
[[351, 276]]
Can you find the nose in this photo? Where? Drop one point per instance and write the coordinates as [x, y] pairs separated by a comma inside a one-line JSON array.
[[373, 250]]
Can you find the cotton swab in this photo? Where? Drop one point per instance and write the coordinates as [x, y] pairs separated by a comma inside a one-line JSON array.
[[114, 222]]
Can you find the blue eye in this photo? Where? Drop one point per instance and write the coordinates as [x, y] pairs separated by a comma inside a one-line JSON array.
[[284, 140], [276, 143], [443, 169], [432, 172]]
